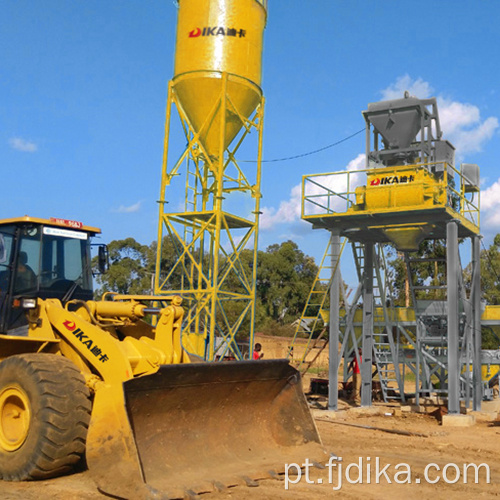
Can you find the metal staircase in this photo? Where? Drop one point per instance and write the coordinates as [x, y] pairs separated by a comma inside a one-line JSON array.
[[314, 311], [385, 351]]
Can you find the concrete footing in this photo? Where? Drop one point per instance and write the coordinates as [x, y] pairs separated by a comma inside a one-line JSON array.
[[458, 420], [490, 406]]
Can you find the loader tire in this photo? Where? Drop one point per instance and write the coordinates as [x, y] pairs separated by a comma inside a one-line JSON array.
[[44, 416]]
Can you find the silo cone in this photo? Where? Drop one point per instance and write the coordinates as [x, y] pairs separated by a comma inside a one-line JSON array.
[[218, 64]]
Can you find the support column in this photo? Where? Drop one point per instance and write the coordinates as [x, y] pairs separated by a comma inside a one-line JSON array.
[[334, 323], [477, 393], [452, 264], [367, 344]]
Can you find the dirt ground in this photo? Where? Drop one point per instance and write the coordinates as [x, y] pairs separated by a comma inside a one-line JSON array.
[[341, 435]]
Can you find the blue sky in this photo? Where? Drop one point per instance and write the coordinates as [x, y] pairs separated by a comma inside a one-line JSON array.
[[83, 88]]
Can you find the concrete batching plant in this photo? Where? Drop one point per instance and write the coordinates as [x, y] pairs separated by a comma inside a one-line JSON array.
[[409, 191]]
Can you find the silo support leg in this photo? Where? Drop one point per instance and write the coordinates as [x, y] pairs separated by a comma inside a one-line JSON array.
[[333, 366], [367, 349], [476, 314], [452, 270]]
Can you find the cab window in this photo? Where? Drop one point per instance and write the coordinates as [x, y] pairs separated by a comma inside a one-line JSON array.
[[28, 261]]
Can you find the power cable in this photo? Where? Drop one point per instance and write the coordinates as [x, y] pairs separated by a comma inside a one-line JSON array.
[[310, 152]]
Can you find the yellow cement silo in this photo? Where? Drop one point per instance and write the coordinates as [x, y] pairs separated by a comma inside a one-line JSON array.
[[219, 52], [216, 93]]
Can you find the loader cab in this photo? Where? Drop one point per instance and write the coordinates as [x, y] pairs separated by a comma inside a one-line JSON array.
[[42, 259]]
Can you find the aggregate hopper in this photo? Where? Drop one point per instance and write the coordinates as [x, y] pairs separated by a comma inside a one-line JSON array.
[[192, 428]]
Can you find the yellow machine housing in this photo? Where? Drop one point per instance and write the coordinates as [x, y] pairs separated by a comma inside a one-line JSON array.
[[216, 38], [158, 425], [392, 189], [402, 204]]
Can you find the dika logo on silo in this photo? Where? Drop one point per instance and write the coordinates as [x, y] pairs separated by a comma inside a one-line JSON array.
[[217, 31], [397, 179]]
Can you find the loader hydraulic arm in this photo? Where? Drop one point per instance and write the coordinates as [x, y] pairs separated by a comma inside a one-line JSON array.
[[98, 332]]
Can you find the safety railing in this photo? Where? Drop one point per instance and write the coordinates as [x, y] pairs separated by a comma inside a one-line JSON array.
[[335, 192]]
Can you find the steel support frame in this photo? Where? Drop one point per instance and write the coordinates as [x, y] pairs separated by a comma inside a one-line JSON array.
[[451, 363], [457, 362], [334, 322], [353, 336], [209, 240], [367, 333], [452, 270], [477, 395]]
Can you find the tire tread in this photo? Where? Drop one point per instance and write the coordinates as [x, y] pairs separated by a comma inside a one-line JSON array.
[[64, 416]]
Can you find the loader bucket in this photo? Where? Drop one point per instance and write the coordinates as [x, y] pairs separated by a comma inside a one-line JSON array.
[[193, 428]]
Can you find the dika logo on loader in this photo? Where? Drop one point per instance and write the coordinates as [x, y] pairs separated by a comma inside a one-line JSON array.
[[86, 341], [217, 30], [70, 325]]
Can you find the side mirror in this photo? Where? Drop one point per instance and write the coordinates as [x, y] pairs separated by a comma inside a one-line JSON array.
[[103, 263]]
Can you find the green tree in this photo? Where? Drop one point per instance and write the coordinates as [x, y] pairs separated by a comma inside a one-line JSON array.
[[490, 288], [430, 271], [284, 278], [132, 267], [127, 273], [490, 272], [169, 263]]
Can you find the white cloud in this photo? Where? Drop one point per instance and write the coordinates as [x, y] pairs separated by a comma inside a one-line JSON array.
[[289, 211], [490, 197], [418, 88], [473, 139], [490, 222], [490, 208], [358, 163], [462, 125], [128, 210], [461, 122], [454, 116], [20, 144]]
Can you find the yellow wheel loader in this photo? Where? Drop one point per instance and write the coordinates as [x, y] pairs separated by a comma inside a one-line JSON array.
[[84, 378]]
